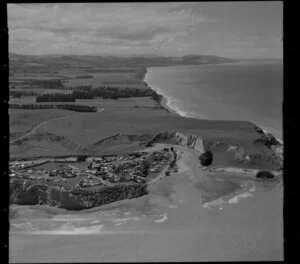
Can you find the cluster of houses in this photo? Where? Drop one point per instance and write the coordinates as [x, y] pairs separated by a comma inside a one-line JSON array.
[[89, 182], [134, 167]]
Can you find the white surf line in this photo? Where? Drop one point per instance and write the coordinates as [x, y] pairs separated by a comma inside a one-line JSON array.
[[162, 219], [238, 197], [69, 219], [217, 202], [234, 170], [93, 230], [243, 193], [126, 219], [248, 172]]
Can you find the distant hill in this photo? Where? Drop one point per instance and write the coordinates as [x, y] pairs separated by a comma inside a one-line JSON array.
[[113, 61], [261, 60]]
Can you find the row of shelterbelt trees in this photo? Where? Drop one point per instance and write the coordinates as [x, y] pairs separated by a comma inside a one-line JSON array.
[[49, 84], [91, 93], [112, 92], [72, 107], [55, 97], [19, 94]]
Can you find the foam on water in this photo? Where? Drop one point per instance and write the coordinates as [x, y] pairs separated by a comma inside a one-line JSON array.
[[69, 230], [126, 219], [162, 219], [69, 218], [173, 103], [253, 189], [238, 197], [216, 202]]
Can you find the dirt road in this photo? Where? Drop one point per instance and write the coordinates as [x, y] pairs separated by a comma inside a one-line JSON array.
[[42, 124]]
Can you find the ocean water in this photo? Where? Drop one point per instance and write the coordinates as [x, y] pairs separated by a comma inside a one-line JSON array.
[[247, 91]]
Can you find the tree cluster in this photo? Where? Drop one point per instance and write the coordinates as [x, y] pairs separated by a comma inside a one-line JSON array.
[[105, 92], [265, 175], [19, 94], [81, 158], [206, 158], [49, 84], [55, 97], [87, 92]]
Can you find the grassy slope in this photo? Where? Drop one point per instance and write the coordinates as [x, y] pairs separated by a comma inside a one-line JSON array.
[[121, 116], [21, 121], [89, 128], [96, 126]]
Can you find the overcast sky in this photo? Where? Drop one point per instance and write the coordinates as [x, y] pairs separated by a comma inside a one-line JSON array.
[[236, 29]]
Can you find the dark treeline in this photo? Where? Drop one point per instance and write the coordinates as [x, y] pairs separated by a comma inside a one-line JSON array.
[[84, 77], [19, 94], [49, 84], [113, 93], [87, 92], [55, 97], [73, 107]]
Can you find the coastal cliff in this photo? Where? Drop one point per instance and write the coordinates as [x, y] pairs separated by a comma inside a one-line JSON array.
[[28, 192], [178, 138], [263, 153]]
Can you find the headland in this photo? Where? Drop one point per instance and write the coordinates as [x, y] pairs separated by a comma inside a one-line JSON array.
[[101, 125]]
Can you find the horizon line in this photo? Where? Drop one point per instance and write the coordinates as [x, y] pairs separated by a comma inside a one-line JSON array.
[[144, 55]]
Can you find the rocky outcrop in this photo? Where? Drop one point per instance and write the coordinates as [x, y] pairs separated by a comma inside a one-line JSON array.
[[224, 152], [28, 192], [266, 139]]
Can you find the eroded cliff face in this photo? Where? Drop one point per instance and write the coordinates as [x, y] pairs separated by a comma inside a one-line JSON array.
[[28, 192], [179, 138], [264, 153]]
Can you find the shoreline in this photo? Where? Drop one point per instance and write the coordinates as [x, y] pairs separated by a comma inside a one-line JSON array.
[[165, 103], [164, 99]]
